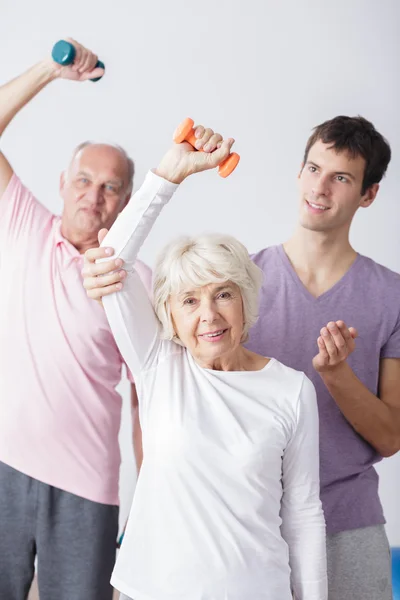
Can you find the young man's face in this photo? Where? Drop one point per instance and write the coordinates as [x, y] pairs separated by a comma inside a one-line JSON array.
[[330, 189]]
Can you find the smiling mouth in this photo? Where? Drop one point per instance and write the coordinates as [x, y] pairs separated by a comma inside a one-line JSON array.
[[213, 334], [317, 206]]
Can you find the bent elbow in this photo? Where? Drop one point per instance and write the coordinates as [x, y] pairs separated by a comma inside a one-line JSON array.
[[390, 447]]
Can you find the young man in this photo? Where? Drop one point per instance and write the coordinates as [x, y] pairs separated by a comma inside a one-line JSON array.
[[59, 366], [319, 294]]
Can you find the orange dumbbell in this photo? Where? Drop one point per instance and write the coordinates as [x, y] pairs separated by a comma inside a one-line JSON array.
[[185, 133]]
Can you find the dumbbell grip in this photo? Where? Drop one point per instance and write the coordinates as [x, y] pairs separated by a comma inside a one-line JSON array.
[[191, 139], [64, 52], [185, 133]]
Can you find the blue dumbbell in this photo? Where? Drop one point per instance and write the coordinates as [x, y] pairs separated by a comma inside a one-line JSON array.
[[63, 53]]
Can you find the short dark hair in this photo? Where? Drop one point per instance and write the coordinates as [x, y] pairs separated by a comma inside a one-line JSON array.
[[357, 137]]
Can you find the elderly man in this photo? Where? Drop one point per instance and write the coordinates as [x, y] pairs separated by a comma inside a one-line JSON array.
[[59, 367]]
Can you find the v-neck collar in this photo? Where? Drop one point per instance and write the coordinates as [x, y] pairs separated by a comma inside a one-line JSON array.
[[300, 285]]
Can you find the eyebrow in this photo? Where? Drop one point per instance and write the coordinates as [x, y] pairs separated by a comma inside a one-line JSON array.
[[310, 162], [86, 174], [218, 289]]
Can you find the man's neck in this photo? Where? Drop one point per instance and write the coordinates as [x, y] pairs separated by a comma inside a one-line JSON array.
[[320, 259], [81, 242]]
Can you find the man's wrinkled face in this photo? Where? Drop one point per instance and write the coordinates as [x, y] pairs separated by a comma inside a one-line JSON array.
[[94, 189]]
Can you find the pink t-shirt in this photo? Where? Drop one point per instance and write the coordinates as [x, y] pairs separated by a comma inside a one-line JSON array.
[[59, 364]]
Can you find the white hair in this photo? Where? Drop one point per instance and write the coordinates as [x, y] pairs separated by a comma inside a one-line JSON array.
[[125, 155], [199, 261]]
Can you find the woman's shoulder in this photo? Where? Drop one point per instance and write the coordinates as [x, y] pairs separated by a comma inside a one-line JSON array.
[[291, 380], [283, 370]]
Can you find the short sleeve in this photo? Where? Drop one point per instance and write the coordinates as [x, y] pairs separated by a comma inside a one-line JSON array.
[[391, 349], [21, 214]]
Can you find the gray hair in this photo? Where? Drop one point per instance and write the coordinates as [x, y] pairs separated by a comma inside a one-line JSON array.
[[125, 155], [199, 261]]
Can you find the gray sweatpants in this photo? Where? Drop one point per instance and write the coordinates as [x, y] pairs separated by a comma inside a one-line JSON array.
[[359, 565], [73, 539]]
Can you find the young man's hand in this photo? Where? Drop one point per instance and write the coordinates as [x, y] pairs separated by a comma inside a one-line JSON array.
[[335, 344]]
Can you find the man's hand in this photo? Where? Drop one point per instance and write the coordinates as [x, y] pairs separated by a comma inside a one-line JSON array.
[[335, 344], [83, 67], [102, 279], [182, 160]]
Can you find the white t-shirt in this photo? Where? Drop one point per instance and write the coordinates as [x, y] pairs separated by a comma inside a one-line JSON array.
[[227, 502]]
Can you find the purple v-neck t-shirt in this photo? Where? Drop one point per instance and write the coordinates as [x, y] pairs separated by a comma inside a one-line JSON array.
[[368, 298]]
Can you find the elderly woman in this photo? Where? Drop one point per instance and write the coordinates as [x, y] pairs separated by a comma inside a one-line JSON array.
[[227, 501]]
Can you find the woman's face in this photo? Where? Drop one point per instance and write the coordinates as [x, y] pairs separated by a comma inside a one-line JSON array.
[[209, 320]]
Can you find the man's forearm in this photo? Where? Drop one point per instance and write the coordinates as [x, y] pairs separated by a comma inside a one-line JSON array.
[[369, 416], [15, 94]]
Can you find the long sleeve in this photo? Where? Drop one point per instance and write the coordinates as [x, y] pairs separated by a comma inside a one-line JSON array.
[[303, 524], [130, 311]]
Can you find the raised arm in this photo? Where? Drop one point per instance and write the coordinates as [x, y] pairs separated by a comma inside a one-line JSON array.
[[130, 312], [18, 92], [303, 524]]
